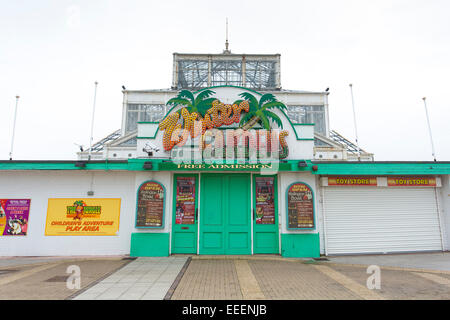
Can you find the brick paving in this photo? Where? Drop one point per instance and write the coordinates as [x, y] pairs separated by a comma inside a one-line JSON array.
[[218, 278], [295, 280], [32, 282], [209, 280], [287, 279], [400, 285]]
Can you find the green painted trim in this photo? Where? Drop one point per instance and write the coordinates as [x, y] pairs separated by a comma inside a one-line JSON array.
[[146, 244], [303, 124], [154, 137], [164, 206], [300, 245], [323, 168], [63, 165], [149, 122], [382, 168], [287, 207]]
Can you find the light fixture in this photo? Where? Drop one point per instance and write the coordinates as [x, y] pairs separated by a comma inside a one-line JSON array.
[[148, 165], [80, 164], [302, 164]]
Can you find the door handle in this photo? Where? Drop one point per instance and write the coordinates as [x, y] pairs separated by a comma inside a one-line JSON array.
[[254, 214], [196, 214]]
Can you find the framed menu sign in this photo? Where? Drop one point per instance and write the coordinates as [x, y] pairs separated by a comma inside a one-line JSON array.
[[300, 206], [264, 208], [150, 205], [185, 201]]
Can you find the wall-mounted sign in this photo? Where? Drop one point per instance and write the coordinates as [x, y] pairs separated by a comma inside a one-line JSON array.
[[265, 206], [150, 205], [185, 200], [411, 182], [200, 116], [352, 181], [201, 166], [82, 217], [300, 206], [14, 215]]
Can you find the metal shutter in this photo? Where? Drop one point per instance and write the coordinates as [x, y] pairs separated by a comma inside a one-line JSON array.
[[380, 220]]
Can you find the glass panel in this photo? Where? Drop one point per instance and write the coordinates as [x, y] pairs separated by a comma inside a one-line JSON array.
[[132, 119], [308, 114], [226, 73], [185, 200], [143, 112], [151, 112], [192, 73], [260, 74], [265, 207]]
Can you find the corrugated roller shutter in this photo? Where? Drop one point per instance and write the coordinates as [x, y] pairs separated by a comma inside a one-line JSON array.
[[379, 220]]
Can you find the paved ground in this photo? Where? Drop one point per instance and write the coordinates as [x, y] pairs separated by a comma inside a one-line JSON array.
[[46, 279], [256, 277], [142, 279], [227, 278], [431, 261]]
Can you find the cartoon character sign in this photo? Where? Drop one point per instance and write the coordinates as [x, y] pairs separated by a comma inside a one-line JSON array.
[[14, 215], [79, 209]]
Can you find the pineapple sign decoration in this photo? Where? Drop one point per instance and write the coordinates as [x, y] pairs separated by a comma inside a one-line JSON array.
[[201, 115]]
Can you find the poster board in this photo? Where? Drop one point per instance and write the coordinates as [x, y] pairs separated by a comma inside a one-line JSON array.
[[14, 217], [150, 205], [300, 207], [82, 217], [185, 200], [264, 206]]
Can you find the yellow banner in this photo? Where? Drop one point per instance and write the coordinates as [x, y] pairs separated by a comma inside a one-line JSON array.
[[82, 217]]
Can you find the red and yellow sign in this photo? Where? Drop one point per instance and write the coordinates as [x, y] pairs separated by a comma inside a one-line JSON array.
[[82, 217], [411, 182], [352, 181]]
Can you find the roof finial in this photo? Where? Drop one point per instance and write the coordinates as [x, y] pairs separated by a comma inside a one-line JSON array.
[[226, 39]]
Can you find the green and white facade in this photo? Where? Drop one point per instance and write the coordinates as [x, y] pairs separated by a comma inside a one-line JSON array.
[[353, 207]]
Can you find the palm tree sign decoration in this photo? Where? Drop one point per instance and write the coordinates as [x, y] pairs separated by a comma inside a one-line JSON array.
[[198, 105], [258, 111]]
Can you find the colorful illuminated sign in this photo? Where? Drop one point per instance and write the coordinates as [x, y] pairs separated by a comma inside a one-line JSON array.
[[150, 205], [14, 216], [300, 203], [82, 217], [411, 182], [200, 116], [352, 181]]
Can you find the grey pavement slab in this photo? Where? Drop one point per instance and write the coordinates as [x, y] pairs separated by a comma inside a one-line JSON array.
[[144, 278], [439, 261]]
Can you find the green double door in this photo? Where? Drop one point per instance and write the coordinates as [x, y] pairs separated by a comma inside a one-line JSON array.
[[226, 219], [225, 214]]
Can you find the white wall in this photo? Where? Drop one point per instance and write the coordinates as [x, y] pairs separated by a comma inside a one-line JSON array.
[[39, 186]]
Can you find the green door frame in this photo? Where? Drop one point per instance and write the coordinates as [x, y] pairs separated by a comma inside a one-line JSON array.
[[225, 229], [265, 236], [184, 236]]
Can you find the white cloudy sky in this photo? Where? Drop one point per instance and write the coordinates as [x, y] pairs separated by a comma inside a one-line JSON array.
[[394, 52]]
